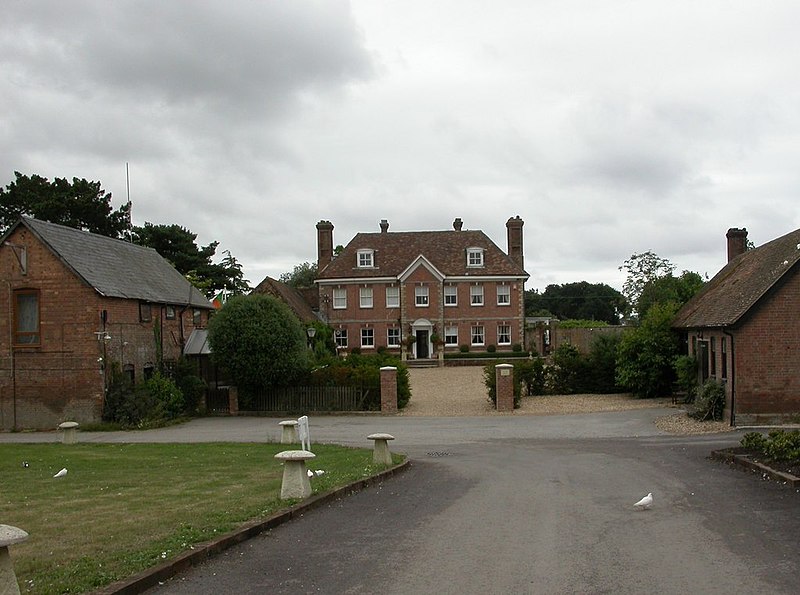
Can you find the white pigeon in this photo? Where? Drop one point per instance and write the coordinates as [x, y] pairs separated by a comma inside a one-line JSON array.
[[61, 473], [644, 503]]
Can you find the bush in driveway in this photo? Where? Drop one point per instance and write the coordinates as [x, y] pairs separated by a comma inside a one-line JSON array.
[[259, 341]]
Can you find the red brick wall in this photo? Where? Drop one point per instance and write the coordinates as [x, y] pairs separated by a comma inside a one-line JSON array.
[[63, 377], [767, 354]]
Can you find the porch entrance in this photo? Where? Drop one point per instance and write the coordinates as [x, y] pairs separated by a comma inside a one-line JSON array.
[[422, 345], [421, 330]]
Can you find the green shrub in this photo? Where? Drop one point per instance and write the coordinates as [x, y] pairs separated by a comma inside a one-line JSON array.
[[516, 347], [188, 381], [125, 403], [754, 440], [364, 371], [491, 348], [531, 374], [259, 341], [570, 371], [464, 348], [710, 403], [778, 445], [602, 364], [168, 399], [152, 400], [686, 375], [783, 445], [646, 354]]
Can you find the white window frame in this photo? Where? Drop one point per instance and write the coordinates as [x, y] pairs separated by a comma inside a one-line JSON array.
[[476, 295], [422, 296], [451, 335], [365, 259], [450, 295], [392, 296], [365, 297], [340, 336], [504, 295], [367, 338], [393, 336], [474, 257], [339, 298], [477, 332], [500, 334]]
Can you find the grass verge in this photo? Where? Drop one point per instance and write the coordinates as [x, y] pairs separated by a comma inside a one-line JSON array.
[[123, 508]]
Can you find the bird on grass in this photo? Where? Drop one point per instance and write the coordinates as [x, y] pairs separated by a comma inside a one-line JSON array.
[[61, 473], [644, 503]]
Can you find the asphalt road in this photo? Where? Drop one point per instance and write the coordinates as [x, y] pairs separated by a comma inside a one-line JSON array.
[[506, 505]]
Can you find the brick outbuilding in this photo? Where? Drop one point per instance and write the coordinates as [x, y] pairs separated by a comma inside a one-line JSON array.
[[421, 293], [744, 329], [75, 304]]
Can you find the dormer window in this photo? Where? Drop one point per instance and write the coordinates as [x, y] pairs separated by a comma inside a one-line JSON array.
[[474, 257], [366, 259]]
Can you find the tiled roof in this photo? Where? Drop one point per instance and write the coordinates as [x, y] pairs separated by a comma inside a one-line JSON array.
[[446, 250], [289, 295], [115, 268], [741, 284]]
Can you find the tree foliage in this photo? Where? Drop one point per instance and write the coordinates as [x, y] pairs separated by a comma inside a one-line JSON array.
[[581, 300], [646, 354], [642, 269], [258, 340], [668, 288], [179, 246], [302, 275], [80, 204]]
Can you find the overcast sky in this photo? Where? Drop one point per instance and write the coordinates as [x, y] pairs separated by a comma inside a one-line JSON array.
[[611, 127]]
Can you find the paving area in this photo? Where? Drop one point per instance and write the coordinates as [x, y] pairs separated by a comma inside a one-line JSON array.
[[460, 391]]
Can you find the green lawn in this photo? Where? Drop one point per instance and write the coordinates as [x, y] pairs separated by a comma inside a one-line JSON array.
[[122, 508]]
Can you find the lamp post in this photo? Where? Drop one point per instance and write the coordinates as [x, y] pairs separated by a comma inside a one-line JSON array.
[[310, 331]]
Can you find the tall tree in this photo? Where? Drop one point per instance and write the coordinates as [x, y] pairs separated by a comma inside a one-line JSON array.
[[80, 204], [179, 246], [668, 289], [643, 268], [583, 300], [259, 341], [302, 275]]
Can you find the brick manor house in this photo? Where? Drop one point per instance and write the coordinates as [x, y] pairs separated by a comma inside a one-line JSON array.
[[423, 293]]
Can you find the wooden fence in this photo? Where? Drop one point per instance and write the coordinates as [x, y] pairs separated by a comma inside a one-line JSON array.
[[311, 398]]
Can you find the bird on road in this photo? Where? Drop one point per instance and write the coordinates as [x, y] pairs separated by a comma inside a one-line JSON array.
[[644, 503], [61, 473]]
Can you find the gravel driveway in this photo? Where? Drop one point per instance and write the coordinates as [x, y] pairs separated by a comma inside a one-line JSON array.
[[460, 391]]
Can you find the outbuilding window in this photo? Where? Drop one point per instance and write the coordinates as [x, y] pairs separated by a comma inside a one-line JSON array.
[[26, 317]]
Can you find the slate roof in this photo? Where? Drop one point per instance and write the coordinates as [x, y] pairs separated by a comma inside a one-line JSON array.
[[289, 295], [115, 268], [740, 285], [446, 250]]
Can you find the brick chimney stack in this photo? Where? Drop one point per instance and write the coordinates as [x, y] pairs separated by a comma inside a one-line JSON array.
[[737, 242], [384, 225], [324, 244], [514, 227], [457, 224]]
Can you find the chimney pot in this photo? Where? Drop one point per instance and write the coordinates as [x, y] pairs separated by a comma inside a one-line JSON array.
[[514, 233], [457, 224], [384, 225], [737, 242], [324, 244]]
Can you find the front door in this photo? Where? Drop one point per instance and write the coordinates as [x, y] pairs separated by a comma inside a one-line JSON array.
[[422, 345]]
